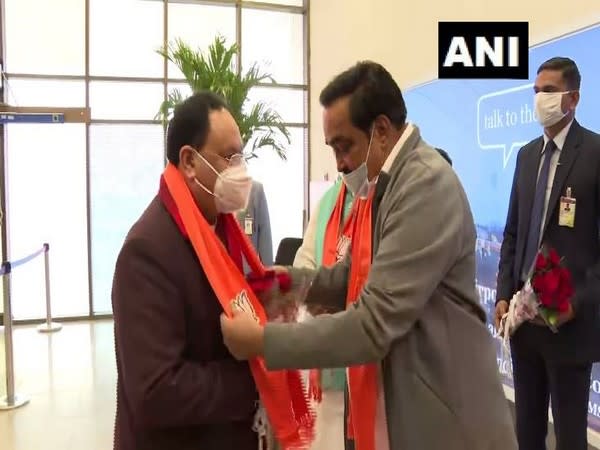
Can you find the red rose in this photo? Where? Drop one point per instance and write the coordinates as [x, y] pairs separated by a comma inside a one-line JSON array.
[[538, 282], [546, 285], [565, 277], [260, 284], [545, 299], [554, 257], [552, 282], [565, 290], [546, 282], [285, 282], [540, 261], [563, 305]]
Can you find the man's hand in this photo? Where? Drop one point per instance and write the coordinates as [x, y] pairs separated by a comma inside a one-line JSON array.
[[315, 391], [501, 309], [242, 335]]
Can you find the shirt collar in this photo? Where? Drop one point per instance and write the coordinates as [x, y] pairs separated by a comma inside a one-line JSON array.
[[560, 138], [387, 165]]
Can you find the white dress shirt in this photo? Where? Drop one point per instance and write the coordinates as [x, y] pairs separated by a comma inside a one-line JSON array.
[[387, 165]]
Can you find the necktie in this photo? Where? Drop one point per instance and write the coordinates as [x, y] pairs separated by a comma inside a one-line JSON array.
[[537, 211]]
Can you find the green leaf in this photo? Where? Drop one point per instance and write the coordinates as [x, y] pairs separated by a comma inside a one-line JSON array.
[[214, 70]]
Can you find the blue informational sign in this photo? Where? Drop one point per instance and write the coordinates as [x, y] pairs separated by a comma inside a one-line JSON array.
[[482, 125], [9, 117]]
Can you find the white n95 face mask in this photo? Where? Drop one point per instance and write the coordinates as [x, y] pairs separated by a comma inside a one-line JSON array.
[[232, 188], [548, 107]]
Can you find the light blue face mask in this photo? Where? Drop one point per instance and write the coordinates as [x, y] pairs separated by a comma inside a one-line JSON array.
[[357, 181]]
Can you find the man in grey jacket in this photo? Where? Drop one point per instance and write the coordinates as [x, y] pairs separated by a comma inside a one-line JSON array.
[[418, 316]]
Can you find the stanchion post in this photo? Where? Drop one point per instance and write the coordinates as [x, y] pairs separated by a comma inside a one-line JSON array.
[[12, 400], [49, 326]]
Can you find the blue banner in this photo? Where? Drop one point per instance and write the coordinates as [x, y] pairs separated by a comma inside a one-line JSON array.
[[482, 124]]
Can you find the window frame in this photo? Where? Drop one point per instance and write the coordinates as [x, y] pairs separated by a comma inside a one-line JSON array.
[[166, 81]]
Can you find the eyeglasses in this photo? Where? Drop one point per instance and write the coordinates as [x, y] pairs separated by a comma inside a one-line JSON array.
[[237, 159], [234, 160]]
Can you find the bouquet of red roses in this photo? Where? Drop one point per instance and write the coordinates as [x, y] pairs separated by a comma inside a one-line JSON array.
[[280, 297], [547, 294], [552, 284]]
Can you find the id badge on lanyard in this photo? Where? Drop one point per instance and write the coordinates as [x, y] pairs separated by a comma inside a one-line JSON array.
[[248, 225], [566, 212]]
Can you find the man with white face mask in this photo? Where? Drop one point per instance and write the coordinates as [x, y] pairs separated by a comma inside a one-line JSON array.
[[555, 200], [178, 386], [422, 371], [325, 244]]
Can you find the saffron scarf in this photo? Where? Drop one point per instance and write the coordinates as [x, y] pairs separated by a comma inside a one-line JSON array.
[[362, 380], [281, 392], [333, 244], [337, 237]]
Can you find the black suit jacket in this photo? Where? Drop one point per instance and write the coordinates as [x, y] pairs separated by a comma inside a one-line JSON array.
[[579, 169]]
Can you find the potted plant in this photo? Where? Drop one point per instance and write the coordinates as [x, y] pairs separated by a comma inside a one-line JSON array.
[[260, 126]]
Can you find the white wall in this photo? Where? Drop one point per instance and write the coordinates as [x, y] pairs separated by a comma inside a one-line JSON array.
[[403, 37]]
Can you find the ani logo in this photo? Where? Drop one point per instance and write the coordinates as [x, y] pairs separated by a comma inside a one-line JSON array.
[[243, 303], [342, 247]]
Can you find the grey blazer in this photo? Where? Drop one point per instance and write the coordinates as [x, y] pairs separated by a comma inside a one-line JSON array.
[[255, 221], [418, 316]]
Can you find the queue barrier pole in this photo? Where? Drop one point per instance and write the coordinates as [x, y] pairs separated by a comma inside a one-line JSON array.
[[13, 400], [48, 326]]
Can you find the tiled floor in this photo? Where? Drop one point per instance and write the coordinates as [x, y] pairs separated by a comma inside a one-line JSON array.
[[70, 379], [551, 440]]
